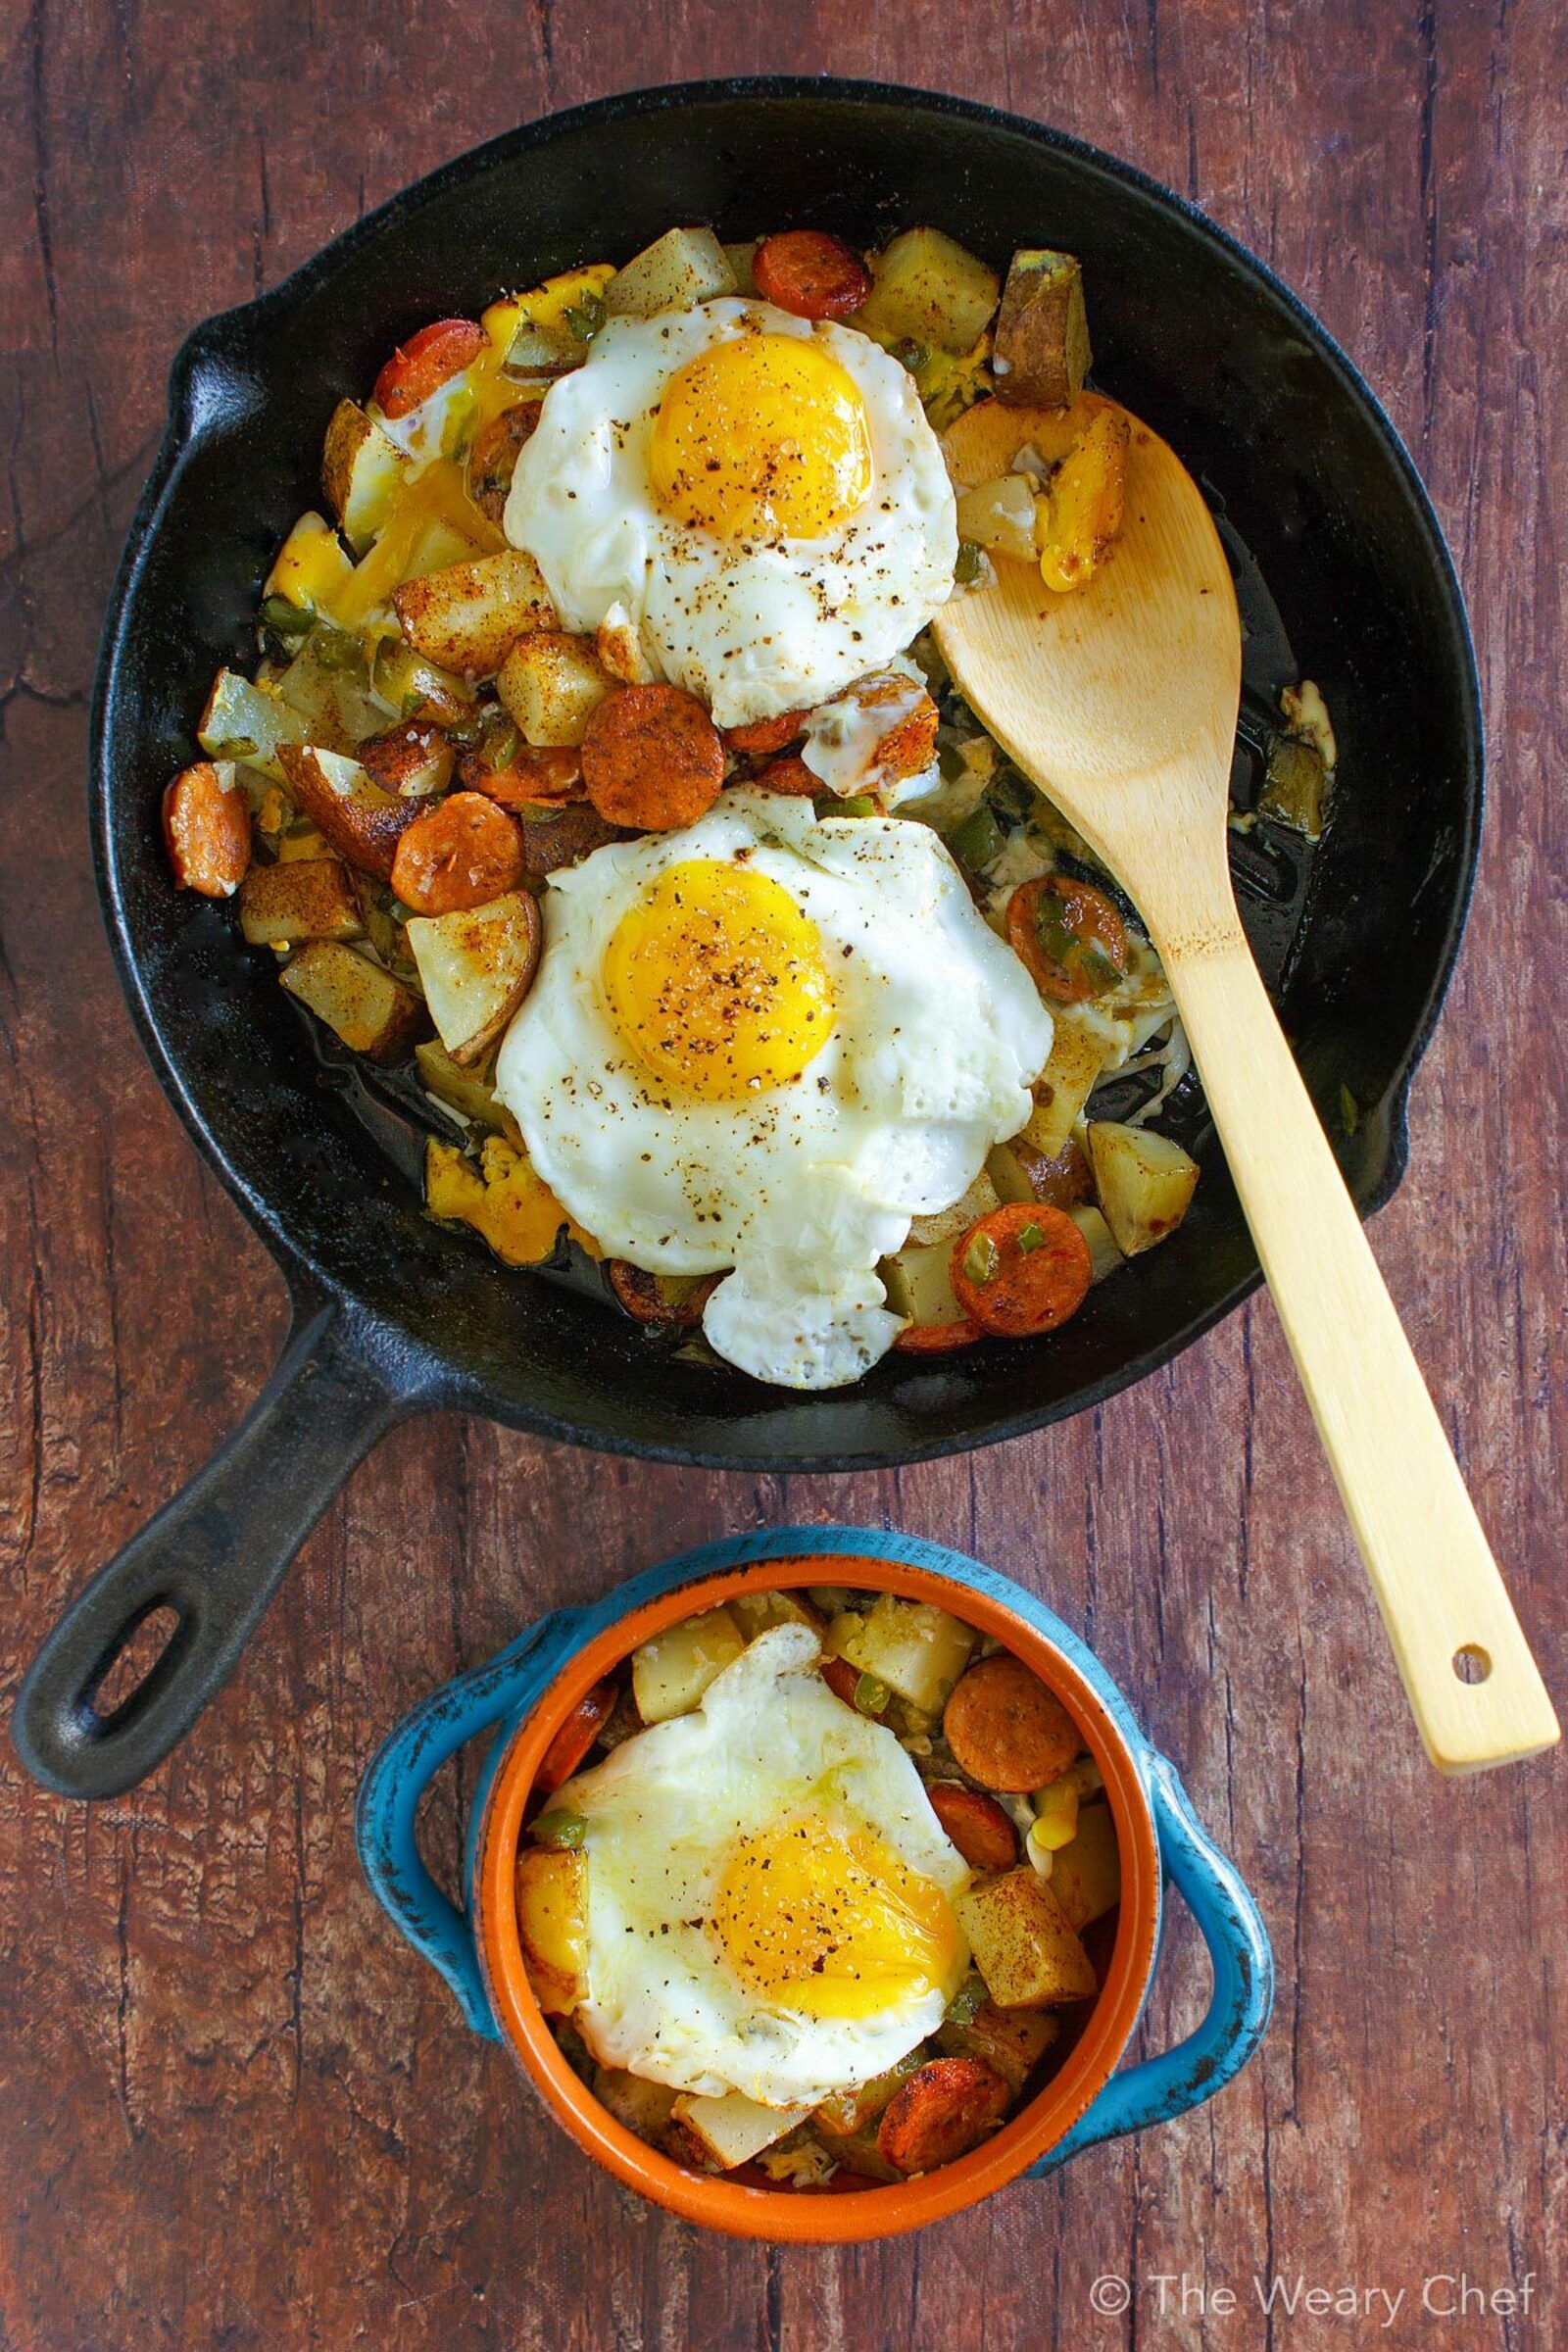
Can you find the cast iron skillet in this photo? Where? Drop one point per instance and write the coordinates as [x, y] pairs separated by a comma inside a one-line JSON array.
[[393, 1315]]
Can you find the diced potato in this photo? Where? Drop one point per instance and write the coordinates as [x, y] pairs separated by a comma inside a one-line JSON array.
[[1011, 2041], [371, 1010], [327, 683], [732, 2129], [1000, 516], [304, 898], [551, 684], [413, 688], [1082, 508], [672, 1670], [641, 2106], [1023, 1944], [462, 1090], [475, 967], [1086, 1873], [362, 472], [506, 1200], [684, 267], [553, 1925], [755, 1612], [945, 1224], [918, 1650], [919, 1283], [741, 259], [1145, 1182], [928, 289], [1104, 1255], [1041, 339], [311, 565], [358, 819], [242, 722], [1062, 1088], [468, 616]]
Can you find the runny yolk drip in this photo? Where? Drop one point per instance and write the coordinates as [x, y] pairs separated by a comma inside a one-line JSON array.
[[825, 1918], [715, 980], [764, 437]]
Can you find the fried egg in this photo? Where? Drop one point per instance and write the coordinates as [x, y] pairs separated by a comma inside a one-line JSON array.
[[763, 495], [766, 1042], [770, 1895]]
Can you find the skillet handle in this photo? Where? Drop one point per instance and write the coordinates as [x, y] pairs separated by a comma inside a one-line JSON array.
[[1231, 1926], [214, 1556]]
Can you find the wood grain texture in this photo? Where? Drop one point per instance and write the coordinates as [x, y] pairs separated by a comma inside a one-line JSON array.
[[235, 2113]]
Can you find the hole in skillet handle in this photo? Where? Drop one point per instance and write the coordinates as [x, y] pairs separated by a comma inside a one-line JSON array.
[[138, 1665], [1472, 1663]]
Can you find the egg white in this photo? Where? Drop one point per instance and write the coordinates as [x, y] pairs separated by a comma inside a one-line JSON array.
[[752, 627], [662, 1813], [802, 1187]]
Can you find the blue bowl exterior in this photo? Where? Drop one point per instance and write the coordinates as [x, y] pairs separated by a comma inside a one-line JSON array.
[[498, 1696]]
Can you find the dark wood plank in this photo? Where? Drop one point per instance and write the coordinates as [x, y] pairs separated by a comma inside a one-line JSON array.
[[235, 2113]]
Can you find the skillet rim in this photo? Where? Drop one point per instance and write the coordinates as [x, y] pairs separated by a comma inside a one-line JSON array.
[[386, 1346]]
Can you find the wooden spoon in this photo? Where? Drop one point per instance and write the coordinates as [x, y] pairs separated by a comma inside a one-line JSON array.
[[1119, 702]]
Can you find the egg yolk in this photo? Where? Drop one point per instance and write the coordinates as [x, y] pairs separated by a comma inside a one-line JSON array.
[[825, 1918], [715, 980], [764, 437]]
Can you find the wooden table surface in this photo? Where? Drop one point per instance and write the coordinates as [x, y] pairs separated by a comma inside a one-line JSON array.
[[234, 2111]]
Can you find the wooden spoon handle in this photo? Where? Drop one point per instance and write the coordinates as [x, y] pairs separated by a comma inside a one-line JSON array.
[[1473, 1686]]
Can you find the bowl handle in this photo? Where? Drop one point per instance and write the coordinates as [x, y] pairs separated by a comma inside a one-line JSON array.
[[213, 1557], [1231, 1926], [399, 1772]]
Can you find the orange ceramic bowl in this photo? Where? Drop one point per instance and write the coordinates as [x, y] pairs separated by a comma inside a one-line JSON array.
[[1043, 2130]]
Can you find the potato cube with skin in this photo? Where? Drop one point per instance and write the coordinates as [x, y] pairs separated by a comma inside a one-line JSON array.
[[1144, 1180], [733, 2128], [363, 474], [1104, 1255], [553, 1925], [468, 616], [1000, 516], [682, 268], [309, 897], [1086, 1872], [461, 1090], [1021, 1944], [1010, 2042], [551, 684], [928, 289], [641, 2106], [475, 966], [1076, 1059], [343, 800], [672, 1670], [918, 1282], [242, 722], [755, 1612], [917, 1649], [368, 1009], [945, 1224], [1041, 341]]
